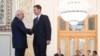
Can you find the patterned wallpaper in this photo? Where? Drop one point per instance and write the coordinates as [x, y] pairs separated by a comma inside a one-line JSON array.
[[27, 7], [5, 15]]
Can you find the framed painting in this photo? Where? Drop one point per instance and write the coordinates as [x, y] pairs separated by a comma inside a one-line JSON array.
[[5, 15]]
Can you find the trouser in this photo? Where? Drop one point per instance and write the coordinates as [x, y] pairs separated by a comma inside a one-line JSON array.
[[40, 50], [19, 51]]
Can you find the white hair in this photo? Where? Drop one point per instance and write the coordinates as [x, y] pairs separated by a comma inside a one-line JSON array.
[[18, 12]]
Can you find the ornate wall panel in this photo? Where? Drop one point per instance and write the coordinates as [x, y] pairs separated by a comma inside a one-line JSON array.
[[27, 7], [5, 15]]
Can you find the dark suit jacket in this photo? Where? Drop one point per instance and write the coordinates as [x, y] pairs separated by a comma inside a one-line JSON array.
[[58, 55], [42, 30], [19, 32]]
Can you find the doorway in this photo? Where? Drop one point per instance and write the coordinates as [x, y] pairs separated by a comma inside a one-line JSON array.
[[82, 36]]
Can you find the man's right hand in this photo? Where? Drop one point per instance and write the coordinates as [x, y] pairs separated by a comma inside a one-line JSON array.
[[29, 31]]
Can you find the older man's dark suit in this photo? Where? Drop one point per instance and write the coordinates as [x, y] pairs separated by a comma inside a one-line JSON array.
[[19, 38], [42, 33]]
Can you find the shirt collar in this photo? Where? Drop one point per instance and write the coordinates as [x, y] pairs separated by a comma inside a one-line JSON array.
[[39, 16]]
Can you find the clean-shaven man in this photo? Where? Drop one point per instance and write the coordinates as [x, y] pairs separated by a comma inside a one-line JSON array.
[[19, 31], [42, 32]]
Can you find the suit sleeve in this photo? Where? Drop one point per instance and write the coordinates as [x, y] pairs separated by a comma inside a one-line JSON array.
[[23, 29], [48, 28]]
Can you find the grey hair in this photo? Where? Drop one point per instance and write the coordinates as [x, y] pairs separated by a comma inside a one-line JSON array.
[[18, 12]]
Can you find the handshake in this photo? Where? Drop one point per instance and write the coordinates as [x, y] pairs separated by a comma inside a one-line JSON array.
[[29, 31]]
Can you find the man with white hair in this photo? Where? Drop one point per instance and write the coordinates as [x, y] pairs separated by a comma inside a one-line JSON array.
[[19, 31]]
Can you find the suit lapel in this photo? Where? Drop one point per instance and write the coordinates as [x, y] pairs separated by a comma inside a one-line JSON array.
[[40, 19]]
